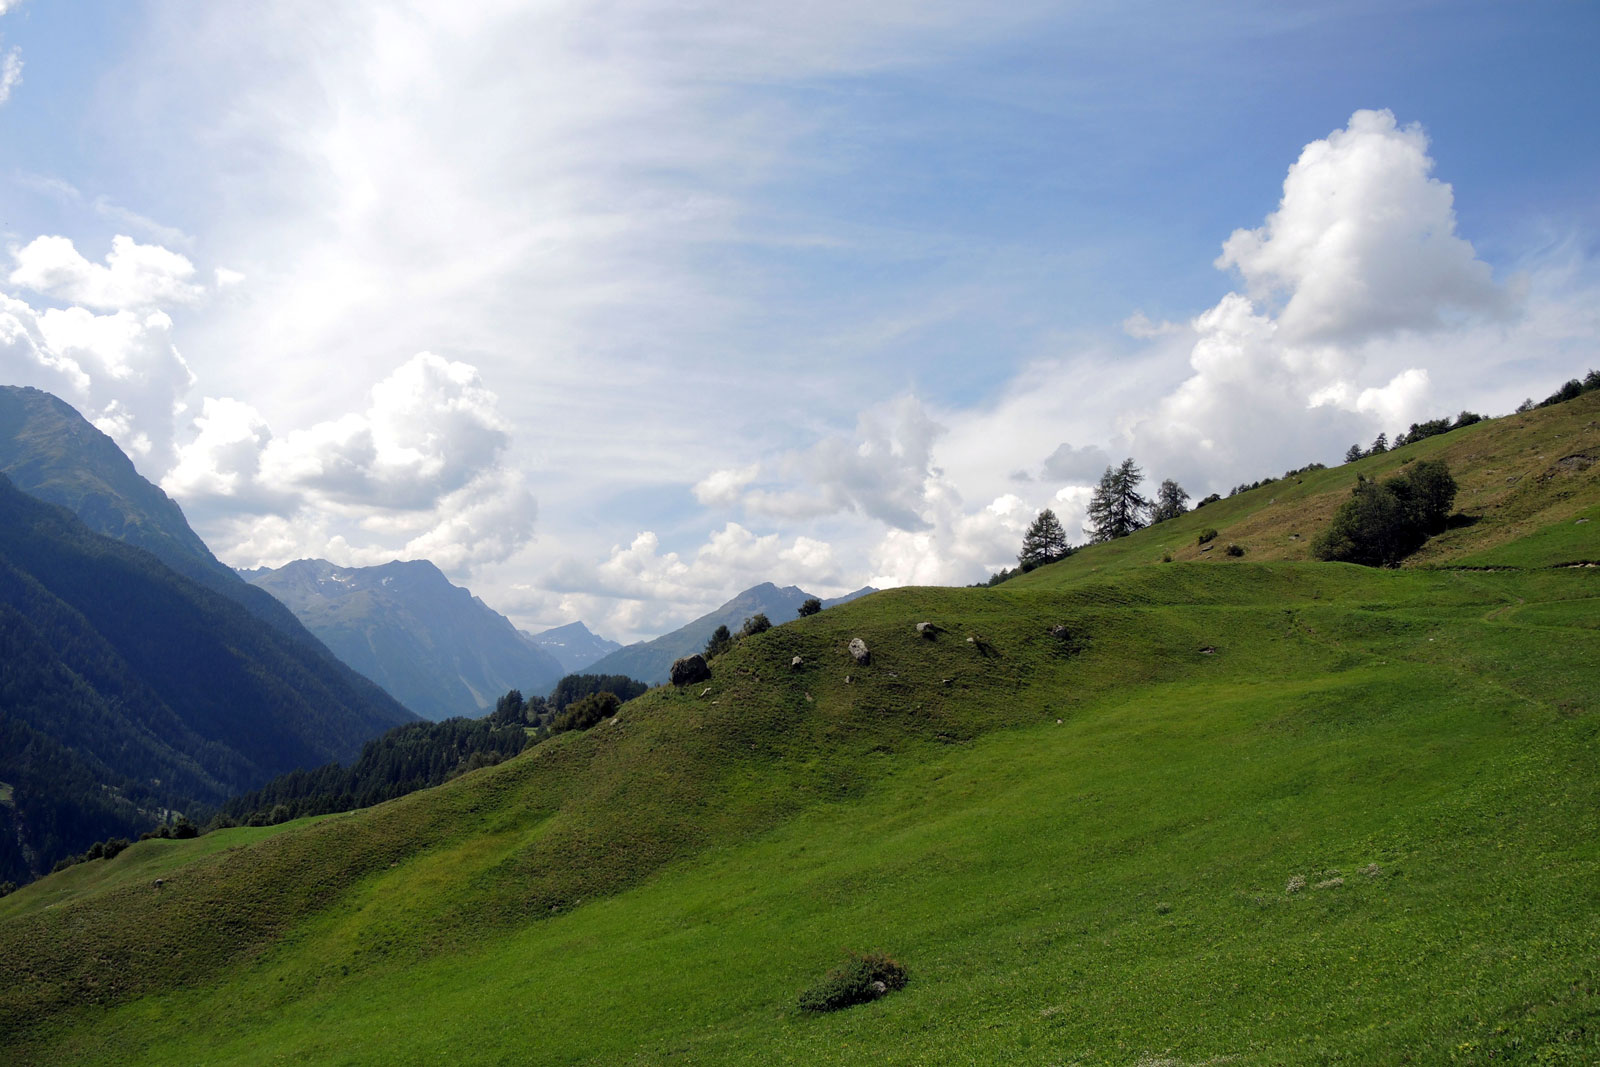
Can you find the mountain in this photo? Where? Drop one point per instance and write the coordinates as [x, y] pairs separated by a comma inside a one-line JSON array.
[[650, 661], [573, 645], [437, 648], [1248, 809], [127, 690], [51, 452]]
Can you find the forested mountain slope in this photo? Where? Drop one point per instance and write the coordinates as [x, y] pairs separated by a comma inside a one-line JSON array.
[[127, 689], [51, 452], [1115, 811]]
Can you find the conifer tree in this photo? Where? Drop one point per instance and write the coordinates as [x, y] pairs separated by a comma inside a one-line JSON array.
[[1117, 509], [1171, 501], [1045, 541]]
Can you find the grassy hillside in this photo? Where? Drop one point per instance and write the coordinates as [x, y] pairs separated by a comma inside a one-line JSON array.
[[1082, 848]]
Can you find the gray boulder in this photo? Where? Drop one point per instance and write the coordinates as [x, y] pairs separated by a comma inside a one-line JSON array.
[[689, 669], [858, 651]]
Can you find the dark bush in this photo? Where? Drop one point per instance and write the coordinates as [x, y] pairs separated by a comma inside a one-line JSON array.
[[591, 711], [1381, 524], [755, 624], [863, 977], [810, 606], [1233, 550], [1211, 499], [113, 846], [1207, 535]]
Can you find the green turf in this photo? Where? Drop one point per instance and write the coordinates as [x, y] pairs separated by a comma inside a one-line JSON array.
[[1081, 849]]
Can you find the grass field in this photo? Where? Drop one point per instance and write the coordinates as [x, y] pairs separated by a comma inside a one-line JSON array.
[[1252, 811]]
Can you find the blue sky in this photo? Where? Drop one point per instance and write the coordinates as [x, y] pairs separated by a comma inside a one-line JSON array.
[[615, 309]]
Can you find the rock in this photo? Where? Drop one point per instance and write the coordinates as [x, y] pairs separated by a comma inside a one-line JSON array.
[[848, 679], [858, 651], [879, 988], [689, 669], [160, 882], [927, 629], [1209, 650], [795, 663], [1060, 633], [706, 690]]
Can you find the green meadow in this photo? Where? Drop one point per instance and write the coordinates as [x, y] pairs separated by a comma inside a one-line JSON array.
[[1117, 811]]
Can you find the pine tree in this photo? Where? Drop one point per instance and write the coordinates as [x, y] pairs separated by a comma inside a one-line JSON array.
[[1353, 453], [1117, 509], [1171, 501], [1380, 445], [721, 641], [1045, 542]]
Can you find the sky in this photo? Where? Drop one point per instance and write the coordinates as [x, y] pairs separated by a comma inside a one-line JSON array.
[[612, 309]]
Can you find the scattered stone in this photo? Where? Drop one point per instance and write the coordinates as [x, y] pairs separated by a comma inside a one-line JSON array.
[[1058, 722], [1209, 650], [706, 690], [972, 640], [809, 700], [160, 882], [848, 679], [689, 669], [858, 651], [1580, 522], [927, 629], [946, 681], [879, 988], [795, 663]]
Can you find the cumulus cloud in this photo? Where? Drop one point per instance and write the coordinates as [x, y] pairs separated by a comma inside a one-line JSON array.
[[1364, 241], [1346, 280], [725, 486], [881, 471], [1068, 464], [122, 370], [415, 474], [134, 276]]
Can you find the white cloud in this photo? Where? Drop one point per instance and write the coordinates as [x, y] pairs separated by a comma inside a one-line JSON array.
[[10, 72], [1364, 241], [1139, 326], [134, 276], [723, 487], [882, 471], [417, 474], [226, 278]]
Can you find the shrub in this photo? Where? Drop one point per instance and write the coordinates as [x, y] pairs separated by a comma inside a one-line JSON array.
[[1210, 499], [588, 712], [810, 606], [863, 977], [755, 624], [1379, 525], [1234, 550], [1206, 536]]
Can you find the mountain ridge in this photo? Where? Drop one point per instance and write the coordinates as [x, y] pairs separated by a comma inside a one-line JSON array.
[[433, 645]]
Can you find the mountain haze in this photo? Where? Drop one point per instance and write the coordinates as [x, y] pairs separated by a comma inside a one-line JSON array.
[[574, 645], [650, 661], [434, 646]]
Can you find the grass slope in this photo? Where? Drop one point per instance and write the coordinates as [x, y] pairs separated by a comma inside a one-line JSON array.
[[1080, 849]]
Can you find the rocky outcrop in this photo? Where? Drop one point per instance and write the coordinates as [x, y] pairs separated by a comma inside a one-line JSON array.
[[689, 669], [859, 651]]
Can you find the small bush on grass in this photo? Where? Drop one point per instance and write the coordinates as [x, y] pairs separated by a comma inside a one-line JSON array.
[[1207, 535], [863, 977], [1233, 550]]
